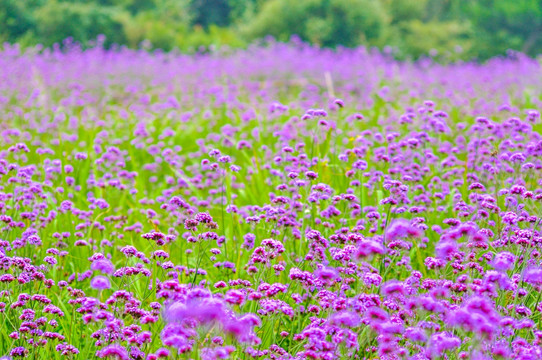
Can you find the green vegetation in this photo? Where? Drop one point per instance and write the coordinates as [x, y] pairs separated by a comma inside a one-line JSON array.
[[448, 29]]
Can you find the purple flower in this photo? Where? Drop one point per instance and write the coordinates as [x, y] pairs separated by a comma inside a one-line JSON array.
[[311, 175], [415, 334], [533, 276], [114, 351], [444, 249], [503, 261], [206, 311], [345, 318], [100, 283], [392, 287], [367, 248], [18, 352], [400, 229], [442, 342], [103, 265]]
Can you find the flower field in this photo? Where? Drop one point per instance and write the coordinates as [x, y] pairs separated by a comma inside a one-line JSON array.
[[279, 202]]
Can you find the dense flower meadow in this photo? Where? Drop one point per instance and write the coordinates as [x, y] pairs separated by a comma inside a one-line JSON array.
[[279, 202]]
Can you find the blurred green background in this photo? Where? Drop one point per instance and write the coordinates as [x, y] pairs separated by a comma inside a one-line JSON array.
[[446, 29]]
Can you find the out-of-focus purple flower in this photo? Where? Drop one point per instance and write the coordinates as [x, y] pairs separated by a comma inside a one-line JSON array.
[[100, 283], [103, 265], [444, 249], [114, 351], [401, 229], [503, 261], [204, 311], [345, 318], [368, 248], [442, 342], [392, 287], [533, 276]]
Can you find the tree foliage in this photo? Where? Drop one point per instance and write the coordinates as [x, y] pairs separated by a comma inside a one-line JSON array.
[[83, 22], [327, 23]]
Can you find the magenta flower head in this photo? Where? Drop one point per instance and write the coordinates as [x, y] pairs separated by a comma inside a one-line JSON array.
[[368, 248], [477, 315], [19, 352], [114, 351], [442, 342], [376, 315], [204, 218], [156, 236], [311, 175], [327, 274], [415, 334], [103, 265], [205, 311], [477, 186], [444, 249], [401, 229], [503, 261], [533, 276], [392, 287], [162, 353], [100, 283], [239, 329], [339, 102], [345, 318]]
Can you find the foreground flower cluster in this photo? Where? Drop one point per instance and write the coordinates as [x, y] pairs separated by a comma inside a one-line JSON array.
[[282, 202]]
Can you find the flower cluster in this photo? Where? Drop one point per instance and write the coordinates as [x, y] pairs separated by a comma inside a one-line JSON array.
[[229, 205]]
